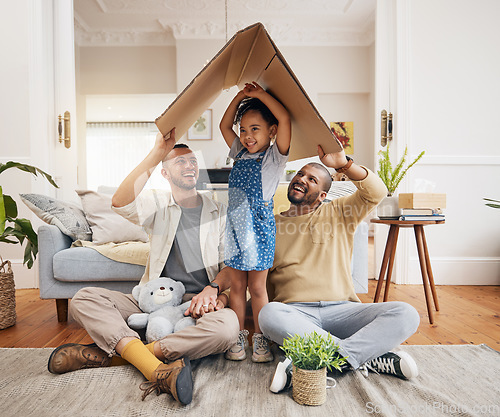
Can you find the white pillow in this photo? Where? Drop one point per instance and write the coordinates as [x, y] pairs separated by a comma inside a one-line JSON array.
[[108, 226], [69, 218]]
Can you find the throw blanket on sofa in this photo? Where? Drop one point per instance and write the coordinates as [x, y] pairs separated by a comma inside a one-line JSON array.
[[129, 252]]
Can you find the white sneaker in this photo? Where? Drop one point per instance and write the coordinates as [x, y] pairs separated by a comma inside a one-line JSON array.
[[399, 364], [282, 378], [261, 350], [237, 351]]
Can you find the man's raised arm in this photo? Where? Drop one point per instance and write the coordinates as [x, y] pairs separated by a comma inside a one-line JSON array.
[[133, 184], [338, 161]]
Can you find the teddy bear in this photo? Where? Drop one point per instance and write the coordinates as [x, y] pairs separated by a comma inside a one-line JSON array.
[[163, 312]]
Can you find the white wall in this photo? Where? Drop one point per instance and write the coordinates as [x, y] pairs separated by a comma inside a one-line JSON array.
[[448, 87], [454, 87], [127, 70], [338, 80], [14, 100], [330, 69], [351, 108]]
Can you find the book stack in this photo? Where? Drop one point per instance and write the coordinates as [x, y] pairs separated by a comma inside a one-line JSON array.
[[422, 207], [421, 214]]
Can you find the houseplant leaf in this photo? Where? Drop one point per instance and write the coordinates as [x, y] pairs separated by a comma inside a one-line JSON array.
[[493, 203], [392, 177], [10, 207], [313, 351], [21, 231], [27, 168], [2, 212]]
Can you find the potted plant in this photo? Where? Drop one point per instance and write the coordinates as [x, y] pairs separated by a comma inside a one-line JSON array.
[[18, 231], [311, 355], [289, 174], [391, 177]]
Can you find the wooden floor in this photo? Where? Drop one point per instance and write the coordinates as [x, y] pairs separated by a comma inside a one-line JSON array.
[[469, 314]]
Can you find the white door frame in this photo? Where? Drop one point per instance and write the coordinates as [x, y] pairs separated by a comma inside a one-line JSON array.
[[52, 92], [392, 94]]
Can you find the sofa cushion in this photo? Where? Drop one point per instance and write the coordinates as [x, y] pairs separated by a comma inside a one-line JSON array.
[[69, 218], [108, 226], [340, 189], [86, 264]]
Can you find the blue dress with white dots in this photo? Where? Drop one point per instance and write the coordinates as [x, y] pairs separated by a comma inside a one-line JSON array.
[[250, 226]]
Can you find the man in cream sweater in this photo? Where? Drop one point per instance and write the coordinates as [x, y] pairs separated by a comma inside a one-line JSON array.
[[310, 285], [186, 231]]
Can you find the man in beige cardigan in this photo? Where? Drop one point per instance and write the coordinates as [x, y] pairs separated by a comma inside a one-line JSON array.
[[186, 231]]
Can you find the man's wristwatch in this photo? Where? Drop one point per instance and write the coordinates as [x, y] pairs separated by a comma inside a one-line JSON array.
[[346, 166], [215, 285]]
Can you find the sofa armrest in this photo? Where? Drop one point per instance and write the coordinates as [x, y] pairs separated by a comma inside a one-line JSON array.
[[50, 241], [359, 261]]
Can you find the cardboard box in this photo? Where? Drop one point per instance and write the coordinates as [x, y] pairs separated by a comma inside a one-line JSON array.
[[251, 55], [422, 200]]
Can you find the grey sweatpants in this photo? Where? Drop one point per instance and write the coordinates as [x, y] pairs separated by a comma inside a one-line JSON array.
[[363, 331], [103, 313]]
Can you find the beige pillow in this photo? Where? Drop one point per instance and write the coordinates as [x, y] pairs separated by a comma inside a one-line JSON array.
[[108, 226]]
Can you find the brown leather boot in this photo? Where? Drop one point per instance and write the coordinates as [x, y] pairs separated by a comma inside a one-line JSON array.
[[174, 378], [72, 356]]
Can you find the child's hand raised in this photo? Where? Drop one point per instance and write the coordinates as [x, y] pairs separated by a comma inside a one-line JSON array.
[[253, 89]]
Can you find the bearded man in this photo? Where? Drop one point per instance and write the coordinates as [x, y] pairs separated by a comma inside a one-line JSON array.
[[186, 233], [310, 285]]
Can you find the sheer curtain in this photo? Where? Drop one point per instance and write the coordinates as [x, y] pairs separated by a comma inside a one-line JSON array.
[[115, 148]]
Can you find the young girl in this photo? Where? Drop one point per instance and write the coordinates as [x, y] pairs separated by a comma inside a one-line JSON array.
[[251, 228]]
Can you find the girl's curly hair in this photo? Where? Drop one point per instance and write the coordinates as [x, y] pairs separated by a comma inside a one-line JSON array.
[[252, 103]]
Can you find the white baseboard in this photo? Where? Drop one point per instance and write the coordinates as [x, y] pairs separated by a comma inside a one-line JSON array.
[[23, 277], [458, 271]]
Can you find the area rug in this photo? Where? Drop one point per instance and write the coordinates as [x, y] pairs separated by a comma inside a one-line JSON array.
[[459, 380]]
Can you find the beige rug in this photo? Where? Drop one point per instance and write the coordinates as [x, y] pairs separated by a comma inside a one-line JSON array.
[[454, 381]]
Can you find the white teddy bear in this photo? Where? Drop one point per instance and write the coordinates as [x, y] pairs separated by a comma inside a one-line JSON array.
[[160, 300]]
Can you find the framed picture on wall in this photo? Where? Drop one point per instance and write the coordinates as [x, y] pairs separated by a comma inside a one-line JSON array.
[[202, 128], [345, 134]]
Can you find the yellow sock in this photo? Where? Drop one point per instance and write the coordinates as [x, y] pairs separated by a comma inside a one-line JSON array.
[[151, 347], [136, 353], [119, 361]]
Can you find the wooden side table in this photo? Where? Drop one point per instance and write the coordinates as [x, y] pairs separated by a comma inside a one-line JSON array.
[[423, 256]]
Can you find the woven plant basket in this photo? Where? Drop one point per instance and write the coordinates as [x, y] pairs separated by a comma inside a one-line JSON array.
[[7, 296], [309, 387]]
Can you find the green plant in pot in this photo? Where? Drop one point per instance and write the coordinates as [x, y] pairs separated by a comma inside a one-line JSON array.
[[12, 228], [15, 230], [289, 174], [391, 177], [492, 203], [311, 355]]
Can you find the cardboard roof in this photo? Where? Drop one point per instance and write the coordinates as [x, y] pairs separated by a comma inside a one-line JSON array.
[[251, 55]]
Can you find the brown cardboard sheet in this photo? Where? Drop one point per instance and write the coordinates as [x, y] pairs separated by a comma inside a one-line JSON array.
[[251, 55]]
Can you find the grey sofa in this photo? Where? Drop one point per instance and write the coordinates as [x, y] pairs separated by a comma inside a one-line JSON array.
[[64, 270]]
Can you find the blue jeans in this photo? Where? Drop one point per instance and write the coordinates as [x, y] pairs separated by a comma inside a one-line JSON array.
[[363, 331]]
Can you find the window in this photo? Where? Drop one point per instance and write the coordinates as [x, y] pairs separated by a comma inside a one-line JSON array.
[[115, 148]]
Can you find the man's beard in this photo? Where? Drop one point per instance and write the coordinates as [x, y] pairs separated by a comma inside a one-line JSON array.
[[182, 183], [305, 200]]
